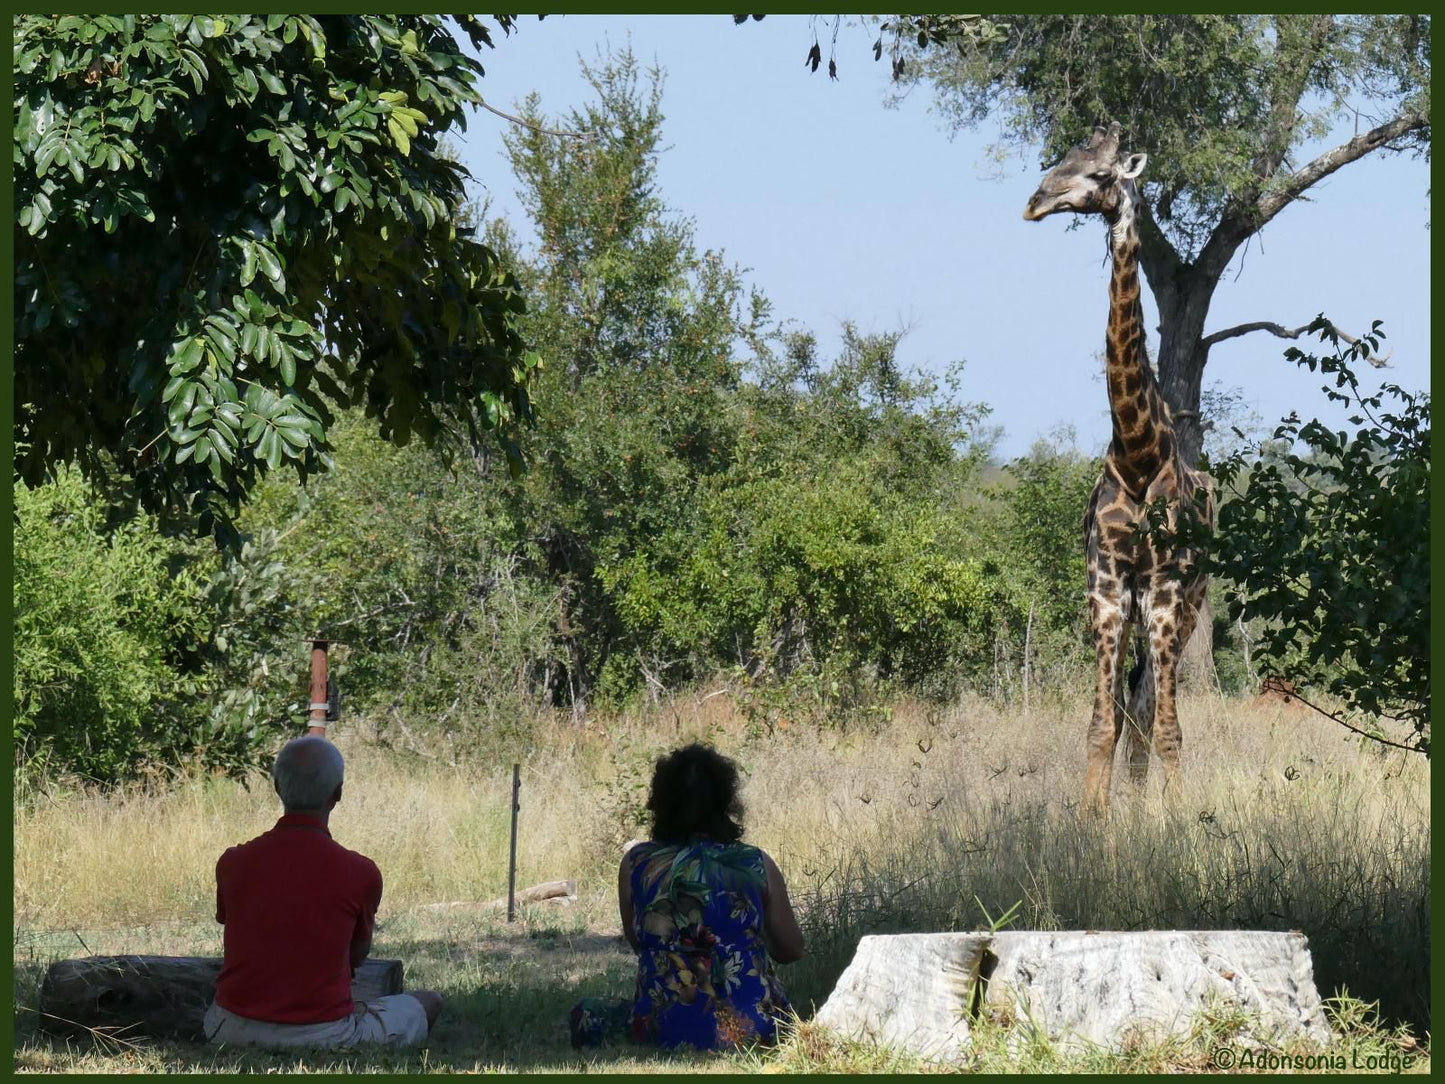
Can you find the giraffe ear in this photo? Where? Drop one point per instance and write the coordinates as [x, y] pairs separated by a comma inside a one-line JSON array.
[[1133, 166]]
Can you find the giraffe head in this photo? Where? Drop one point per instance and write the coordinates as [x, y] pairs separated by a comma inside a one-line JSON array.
[[1094, 179]]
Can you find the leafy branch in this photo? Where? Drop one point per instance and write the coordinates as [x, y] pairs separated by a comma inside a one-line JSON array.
[[1324, 535]]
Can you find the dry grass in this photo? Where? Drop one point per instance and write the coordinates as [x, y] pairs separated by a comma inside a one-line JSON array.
[[923, 824]]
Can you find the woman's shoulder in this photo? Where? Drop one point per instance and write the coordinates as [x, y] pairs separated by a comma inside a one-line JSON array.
[[639, 853], [638, 850], [732, 854], [739, 864]]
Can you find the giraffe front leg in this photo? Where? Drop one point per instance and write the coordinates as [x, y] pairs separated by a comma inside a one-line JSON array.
[[1107, 620]]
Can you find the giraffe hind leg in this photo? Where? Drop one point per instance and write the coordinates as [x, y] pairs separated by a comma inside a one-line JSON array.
[[1139, 718], [1122, 680]]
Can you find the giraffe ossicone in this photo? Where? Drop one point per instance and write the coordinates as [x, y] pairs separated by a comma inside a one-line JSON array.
[[1134, 582]]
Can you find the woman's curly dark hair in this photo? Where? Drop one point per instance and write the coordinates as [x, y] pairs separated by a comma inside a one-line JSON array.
[[695, 794]]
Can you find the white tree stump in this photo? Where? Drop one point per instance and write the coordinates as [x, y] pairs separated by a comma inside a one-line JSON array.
[[920, 992], [910, 991], [1106, 988]]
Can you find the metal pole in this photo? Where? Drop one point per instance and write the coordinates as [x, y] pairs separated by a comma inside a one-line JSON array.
[[316, 724], [512, 866]]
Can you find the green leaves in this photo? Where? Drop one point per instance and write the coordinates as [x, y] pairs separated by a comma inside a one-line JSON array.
[[188, 355], [270, 266], [135, 649], [278, 425], [1325, 535], [216, 197], [402, 121]]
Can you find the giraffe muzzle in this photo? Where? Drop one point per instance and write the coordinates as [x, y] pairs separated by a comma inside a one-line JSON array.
[[1041, 206]]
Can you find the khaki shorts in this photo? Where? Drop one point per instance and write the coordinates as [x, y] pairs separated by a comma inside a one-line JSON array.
[[395, 1020]]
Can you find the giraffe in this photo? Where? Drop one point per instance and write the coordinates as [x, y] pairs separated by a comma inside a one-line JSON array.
[[1131, 582]]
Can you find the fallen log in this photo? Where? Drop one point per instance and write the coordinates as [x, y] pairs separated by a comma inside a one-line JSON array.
[[557, 891], [547, 890], [157, 997]]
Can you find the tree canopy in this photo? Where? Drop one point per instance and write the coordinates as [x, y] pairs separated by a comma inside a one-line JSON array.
[[1225, 106], [707, 493], [229, 226]]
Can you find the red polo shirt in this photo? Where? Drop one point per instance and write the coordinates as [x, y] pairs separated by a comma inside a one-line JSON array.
[[292, 902]]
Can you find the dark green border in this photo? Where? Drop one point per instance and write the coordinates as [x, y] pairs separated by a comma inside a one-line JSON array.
[[6, 520]]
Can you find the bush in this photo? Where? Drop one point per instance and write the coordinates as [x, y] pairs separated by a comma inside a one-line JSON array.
[[410, 565], [132, 650], [1030, 534], [1329, 548]]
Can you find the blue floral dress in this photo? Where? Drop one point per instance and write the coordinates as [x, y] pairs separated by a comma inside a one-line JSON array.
[[704, 979]]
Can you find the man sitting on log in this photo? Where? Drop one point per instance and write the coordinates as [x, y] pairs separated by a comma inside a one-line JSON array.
[[298, 910]]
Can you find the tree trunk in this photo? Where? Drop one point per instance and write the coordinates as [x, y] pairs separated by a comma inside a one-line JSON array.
[[1077, 989], [1182, 357], [158, 997]]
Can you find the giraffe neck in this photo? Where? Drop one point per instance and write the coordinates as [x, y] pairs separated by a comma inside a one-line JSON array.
[[1143, 431]]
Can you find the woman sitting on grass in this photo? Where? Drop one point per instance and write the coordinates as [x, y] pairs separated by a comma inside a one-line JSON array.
[[703, 912]]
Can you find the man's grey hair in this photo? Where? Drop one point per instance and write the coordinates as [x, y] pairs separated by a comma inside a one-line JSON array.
[[307, 772]]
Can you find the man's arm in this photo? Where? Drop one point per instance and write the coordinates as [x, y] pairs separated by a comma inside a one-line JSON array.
[[366, 918], [359, 952], [220, 901]]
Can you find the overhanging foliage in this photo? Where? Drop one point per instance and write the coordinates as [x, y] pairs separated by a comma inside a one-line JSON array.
[[226, 227]]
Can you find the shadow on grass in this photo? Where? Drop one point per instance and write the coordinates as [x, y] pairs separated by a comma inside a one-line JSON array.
[[508, 996]]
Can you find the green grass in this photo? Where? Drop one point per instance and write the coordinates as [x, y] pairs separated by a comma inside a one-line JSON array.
[[509, 988], [921, 825]]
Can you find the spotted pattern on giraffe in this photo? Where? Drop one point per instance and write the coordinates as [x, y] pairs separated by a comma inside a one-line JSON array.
[[1134, 586]]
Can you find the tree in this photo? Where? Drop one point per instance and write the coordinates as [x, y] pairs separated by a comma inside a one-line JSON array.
[[829, 548], [1222, 103], [823, 548], [1329, 547], [227, 227], [407, 560], [698, 510], [641, 326], [1042, 532]]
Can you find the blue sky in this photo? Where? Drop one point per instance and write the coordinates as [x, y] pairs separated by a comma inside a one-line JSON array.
[[842, 209]]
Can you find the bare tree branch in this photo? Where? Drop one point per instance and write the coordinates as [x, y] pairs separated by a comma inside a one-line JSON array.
[[1242, 222], [1257, 325], [1283, 333], [1293, 695], [534, 127], [1271, 203]]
